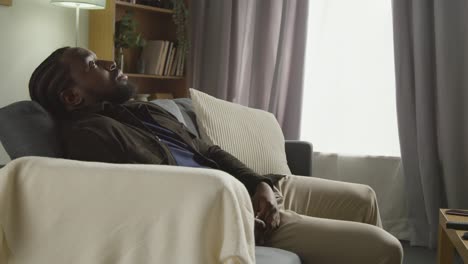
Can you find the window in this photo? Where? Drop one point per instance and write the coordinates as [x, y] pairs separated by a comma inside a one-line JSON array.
[[349, 86]]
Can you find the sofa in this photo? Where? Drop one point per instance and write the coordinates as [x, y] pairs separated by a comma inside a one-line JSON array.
[[32, 132]]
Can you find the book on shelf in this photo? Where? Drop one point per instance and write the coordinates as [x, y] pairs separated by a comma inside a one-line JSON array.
[[174, 63], [178, 63], [162, 59], [183, 67], [180, 68], [151, 55], [168, 58]]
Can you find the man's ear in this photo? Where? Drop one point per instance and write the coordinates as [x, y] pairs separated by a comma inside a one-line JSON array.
[[71, 97]]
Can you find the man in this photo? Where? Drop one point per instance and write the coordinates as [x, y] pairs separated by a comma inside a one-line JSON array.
[[322, 221]]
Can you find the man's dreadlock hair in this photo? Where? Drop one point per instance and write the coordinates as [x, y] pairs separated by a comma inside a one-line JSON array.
[[50, 78]]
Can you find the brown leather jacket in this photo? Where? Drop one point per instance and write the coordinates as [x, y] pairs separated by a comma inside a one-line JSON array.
[[115, 134]]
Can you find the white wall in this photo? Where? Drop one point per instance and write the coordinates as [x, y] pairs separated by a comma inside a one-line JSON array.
[[29, 31]]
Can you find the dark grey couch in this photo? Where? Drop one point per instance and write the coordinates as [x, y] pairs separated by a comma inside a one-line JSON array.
[[28, 130]]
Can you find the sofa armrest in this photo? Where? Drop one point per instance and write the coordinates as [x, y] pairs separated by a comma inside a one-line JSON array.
[[299, 156], [93, 212]]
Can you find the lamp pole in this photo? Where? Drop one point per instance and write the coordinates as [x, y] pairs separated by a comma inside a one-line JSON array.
[[77, 23], [79, 4]]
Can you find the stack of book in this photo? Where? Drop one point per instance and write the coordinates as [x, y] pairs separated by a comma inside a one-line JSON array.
[[163, 58]]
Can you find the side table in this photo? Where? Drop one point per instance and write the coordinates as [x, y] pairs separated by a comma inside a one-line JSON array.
[[450, 239]]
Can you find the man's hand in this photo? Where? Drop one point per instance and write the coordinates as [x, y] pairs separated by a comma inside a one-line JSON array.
[[266, 208]]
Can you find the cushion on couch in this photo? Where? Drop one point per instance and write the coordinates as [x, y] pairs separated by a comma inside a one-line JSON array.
[[186, 108], [4, 157], [182, 109], [268, 255], [171, 107], [253, 136], [28, 130]]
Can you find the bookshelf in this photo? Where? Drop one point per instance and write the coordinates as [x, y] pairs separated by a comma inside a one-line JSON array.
[[144, 7], [154, 24], [137, 75]]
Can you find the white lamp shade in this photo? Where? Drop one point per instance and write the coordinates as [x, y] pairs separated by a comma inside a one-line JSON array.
[[82, 4]]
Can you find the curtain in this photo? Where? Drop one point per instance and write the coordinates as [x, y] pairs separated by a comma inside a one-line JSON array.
[[251, 53], [431, 54]]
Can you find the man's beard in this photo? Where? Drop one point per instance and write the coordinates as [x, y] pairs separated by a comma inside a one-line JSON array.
[[122, 93]]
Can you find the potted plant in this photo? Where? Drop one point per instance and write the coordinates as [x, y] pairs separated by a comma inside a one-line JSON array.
[[180, 18], [126, 37]]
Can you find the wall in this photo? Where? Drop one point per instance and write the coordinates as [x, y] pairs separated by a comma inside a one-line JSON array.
[[29, 31]]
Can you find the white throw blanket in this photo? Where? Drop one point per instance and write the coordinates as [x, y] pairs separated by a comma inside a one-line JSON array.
[[63, 211]]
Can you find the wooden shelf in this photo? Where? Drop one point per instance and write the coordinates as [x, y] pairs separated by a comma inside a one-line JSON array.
[[137, 75], [145, 7], [153, 23]]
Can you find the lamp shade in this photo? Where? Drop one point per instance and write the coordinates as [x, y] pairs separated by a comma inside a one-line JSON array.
[[82, 4]]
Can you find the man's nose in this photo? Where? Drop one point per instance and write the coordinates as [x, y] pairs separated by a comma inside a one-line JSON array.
[[109, 65]]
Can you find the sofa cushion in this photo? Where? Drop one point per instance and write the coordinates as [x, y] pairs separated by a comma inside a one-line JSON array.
[[253, 136], [4, 157], [171, 107], [267, 255], [186, 108], [28, 130], [182, 109]]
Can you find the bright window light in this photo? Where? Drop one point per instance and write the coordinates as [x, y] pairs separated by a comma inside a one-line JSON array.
[[349, 86]]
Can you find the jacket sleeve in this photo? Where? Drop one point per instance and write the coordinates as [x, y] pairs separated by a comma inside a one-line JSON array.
[[230, 164]]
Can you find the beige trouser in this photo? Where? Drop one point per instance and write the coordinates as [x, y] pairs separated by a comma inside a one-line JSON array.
[[326, 221]]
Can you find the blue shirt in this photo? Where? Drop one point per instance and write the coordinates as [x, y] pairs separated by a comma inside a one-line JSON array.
[[182, 153]]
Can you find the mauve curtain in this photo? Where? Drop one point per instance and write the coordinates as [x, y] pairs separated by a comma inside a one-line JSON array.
[[251, 53], [431, 55]]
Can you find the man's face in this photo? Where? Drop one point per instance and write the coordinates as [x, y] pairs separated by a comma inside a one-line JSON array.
[[97, 80]]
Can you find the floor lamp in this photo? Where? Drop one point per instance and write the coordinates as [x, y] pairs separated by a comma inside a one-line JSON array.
[[80, 4]]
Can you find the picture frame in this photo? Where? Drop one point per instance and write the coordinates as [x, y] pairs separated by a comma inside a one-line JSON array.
[[6, 2]]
